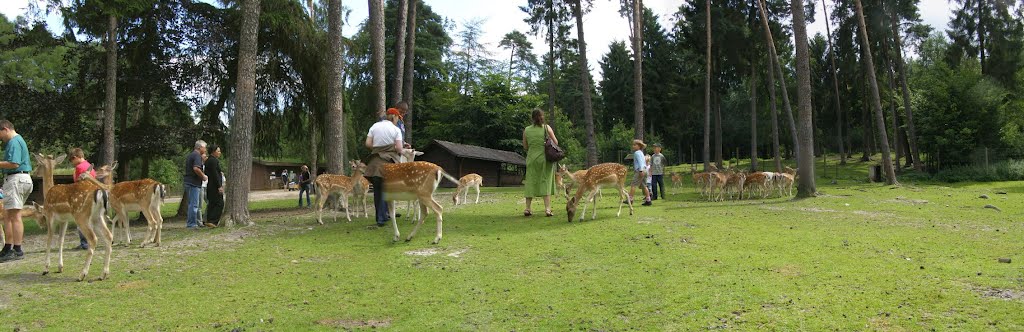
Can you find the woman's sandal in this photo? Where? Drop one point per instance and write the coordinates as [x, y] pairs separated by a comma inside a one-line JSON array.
[[527, 213], [548, 213]]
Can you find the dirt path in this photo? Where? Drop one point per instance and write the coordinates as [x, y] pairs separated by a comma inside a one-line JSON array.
[[255, 196]]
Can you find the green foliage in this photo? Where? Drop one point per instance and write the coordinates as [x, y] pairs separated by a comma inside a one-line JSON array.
[[1011, 170]]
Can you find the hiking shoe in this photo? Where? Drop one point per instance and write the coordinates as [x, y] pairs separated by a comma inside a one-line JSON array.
[[12, 256], [82, 247], [647, 203]]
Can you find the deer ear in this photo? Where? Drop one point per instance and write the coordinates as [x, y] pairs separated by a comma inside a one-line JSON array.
[[39, 158], [114, 166], [60, 158], [418, 153]]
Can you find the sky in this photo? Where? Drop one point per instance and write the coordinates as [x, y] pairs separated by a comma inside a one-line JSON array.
[[602, 25]]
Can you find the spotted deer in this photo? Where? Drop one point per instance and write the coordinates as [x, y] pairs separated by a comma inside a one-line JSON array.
[[596, 177], [756, 183], [415, 180], [471, 180], [716, 183], [573, 179], [146, 196], [85, 202], [328, 184]]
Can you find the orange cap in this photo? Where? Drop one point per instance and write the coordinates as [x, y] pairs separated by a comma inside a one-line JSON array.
[[395, 111]]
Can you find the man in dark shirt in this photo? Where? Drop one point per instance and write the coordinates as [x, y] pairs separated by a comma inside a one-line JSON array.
[[214, 188], [193, 181], [305, 182]]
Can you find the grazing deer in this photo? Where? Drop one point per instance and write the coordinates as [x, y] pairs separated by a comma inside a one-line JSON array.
[[85, 202], [574, 178], [328, 184], [414, 181], [789, 171], [785, 184], [677, 181], [755, 183], [596, 177], [716, 183], [146, 196], [734, 185], [472, 180]]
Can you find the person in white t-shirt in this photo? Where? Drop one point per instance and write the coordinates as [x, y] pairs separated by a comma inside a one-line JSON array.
[[385, 143]]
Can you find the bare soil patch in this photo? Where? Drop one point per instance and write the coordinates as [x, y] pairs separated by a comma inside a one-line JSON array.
[[354, 324]]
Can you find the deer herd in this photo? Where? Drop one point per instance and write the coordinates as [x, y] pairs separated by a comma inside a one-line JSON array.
[[88, 202], [717, 185]]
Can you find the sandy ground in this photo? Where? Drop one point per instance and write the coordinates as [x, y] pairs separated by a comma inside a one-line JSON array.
[[262, 195]]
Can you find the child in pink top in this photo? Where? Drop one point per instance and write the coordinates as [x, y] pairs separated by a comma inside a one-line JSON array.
[[81, 166]]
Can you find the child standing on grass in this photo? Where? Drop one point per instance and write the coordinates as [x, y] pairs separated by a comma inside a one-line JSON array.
[[639, 167], [82, 166], [658, 162]]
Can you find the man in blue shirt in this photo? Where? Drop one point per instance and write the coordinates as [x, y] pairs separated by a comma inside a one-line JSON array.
[[639, 169], [16, 166]]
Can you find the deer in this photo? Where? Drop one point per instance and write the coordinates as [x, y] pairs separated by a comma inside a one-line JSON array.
[[327, 184], [574, 178], [417, 180], [409, 155], [734, 185], [755, 182], [85, 202], [146, 196], [471, 180], [596, 177], [716, 182], [784, 183], [677, 181]]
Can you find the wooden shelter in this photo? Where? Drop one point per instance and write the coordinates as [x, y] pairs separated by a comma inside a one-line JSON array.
[[498, 167]]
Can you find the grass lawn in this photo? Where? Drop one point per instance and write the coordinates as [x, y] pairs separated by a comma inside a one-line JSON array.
[[859, 257]]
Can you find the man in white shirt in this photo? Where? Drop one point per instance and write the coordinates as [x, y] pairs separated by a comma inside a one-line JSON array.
[[384, 140]]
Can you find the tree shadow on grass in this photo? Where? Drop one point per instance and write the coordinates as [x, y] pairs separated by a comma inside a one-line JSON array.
[[37, 278]]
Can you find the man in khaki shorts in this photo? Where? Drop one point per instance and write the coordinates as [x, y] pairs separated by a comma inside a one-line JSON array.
[[16, 166]]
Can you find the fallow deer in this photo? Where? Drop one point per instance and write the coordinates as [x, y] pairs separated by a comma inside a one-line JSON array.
[[785, 184], [85, 202], [677, 181], [734, 185], [596, 177], [716, 183], [328, 184], [471, 180], [414, 181], [146, 196], [574, 178], [755, 183]]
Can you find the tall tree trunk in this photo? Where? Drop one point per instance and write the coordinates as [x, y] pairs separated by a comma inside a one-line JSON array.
[[717, 107], [890, 174], [240, 144], [588, 108], [335, 143], [410, 70], [377, 39], [111, 101], [805, 160], [835, 86], [400, 35], [777, 66], [707, 91], [981, 35], [868, 134], [122, 127], [551, 62], [913, 154], [753, 116], [638, 74], [895, 144], [314, 147]]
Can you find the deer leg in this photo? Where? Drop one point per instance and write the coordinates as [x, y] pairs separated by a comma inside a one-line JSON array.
[[320, 205], [90, 237], [477, 194], [622, 192], [60, 249], [394, 221], [159, 224], [107, 237], [593, 201], [419, 222], [49, 242], [344, 203], [150, 225]]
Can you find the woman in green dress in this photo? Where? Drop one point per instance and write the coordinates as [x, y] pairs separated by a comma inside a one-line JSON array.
[[540, 174]]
